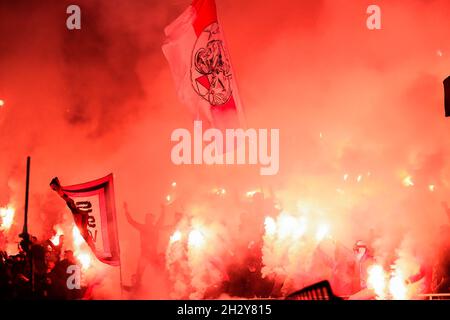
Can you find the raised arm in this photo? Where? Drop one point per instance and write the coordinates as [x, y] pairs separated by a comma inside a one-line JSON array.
[[130, 220], [56, 186]]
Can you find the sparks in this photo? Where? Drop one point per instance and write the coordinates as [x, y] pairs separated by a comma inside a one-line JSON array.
[[431, 187], [359, 178], [345, 177], [174, 184], [2, 103]]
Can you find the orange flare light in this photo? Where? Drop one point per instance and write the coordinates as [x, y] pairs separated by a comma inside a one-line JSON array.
[[77, 237], [176, 236], [407, 181], [397, 286], [196, 238], [270, 226], [83, 256], [55, 238], [6, 218], [85, 260], [377, 280]]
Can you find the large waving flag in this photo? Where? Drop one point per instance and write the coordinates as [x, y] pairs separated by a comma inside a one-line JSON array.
[[93, 208], [201, 67]]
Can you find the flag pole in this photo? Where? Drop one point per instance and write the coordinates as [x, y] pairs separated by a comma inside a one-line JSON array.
[[27, 190], [25, 243]]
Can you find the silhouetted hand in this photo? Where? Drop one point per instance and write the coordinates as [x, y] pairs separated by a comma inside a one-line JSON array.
[[55, 185]]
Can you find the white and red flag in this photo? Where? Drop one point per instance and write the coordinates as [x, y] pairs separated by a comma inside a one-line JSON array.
[[201, 67], [93, 207]]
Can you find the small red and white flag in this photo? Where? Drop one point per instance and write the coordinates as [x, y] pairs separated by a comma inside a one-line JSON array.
[[93, 207], [201, 66]]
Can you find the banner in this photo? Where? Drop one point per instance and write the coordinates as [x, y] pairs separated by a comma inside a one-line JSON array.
[[93, 208]]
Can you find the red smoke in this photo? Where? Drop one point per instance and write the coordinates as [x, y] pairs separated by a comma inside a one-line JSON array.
[[349, 102]]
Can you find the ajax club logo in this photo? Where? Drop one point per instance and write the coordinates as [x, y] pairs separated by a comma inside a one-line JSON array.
[[211, 69]]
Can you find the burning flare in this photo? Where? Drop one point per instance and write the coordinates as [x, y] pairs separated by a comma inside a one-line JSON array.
[[176, 236], [397, 287], [6, 218], [82, 255], [392, 287], [77, 237], [196, 238], [377, 280], [55, 238], [270, 226], [85, 260]]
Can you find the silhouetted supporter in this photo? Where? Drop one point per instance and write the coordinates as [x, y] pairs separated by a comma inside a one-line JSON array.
[[148, 232]]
